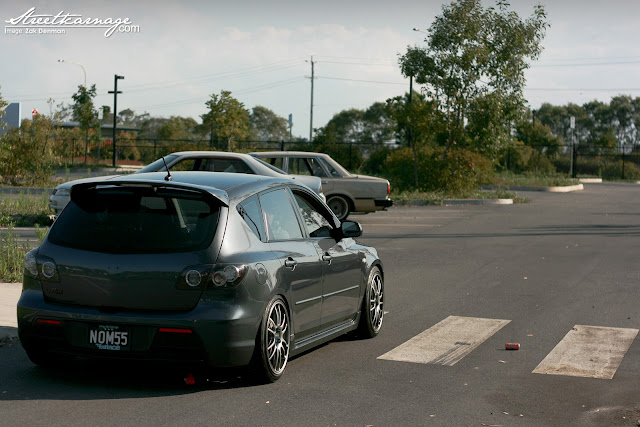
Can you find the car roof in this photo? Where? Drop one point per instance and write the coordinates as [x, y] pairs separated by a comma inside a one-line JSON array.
[[289, 153], [203, 153]]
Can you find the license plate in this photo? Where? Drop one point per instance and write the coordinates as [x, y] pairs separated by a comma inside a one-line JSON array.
[[109, 337]]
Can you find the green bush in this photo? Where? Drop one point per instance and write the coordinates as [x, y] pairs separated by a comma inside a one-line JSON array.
[[522, 158], [461, 171], [613, 170], [12, 253], [604, 167], [375, 164], [26, 153]]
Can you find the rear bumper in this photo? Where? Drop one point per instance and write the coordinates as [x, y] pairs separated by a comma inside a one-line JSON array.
[[222, 334], [383, 203]]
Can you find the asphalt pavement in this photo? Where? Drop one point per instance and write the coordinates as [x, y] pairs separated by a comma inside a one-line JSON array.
[[559, 276]]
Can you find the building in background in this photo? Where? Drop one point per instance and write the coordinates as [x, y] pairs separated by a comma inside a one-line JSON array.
[[11, 117]]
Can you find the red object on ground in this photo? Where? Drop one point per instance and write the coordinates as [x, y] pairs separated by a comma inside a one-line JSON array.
[[512, 346], [190, 380]]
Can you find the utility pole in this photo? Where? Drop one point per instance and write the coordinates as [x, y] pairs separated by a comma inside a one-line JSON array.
[[410, 88], [311, 112], [115, 93]]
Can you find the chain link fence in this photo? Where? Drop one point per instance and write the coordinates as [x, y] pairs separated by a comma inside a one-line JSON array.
[[580, 160], [143, 151]]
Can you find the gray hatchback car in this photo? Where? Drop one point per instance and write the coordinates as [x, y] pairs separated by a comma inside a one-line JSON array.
[[197, 268]]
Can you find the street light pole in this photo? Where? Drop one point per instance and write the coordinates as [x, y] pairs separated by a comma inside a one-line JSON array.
[[80, 65], [115, 93]]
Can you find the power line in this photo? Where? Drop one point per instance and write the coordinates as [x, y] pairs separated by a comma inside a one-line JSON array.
[[542, 89], [361, 81], [202, 99], [371, 64], [591, 64]]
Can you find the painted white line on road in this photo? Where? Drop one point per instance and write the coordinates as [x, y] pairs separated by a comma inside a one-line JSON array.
[[447, 342], [588, 351]]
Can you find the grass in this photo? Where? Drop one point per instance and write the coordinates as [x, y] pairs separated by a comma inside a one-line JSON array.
[[12, 254], [530, 179], [25, 210]]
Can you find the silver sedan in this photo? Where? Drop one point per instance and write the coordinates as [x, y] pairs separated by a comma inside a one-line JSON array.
[[345, 192]]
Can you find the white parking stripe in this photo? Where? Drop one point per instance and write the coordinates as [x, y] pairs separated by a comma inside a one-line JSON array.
[[447, 342], [588, 351]]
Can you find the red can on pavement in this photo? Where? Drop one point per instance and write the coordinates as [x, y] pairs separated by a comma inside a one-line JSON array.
[[512, 346]]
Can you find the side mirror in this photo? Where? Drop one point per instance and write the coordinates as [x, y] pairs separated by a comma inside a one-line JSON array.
[[351, 229]]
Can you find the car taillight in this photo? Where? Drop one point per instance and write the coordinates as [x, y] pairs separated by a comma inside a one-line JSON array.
[[388, 188], [198, 277], [40, 267], [49, 322], [228, 275]]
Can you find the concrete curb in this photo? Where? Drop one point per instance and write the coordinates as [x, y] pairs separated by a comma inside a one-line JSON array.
[[591, 180], [560, 189], [9, 296], [450, 202], [456, 202]]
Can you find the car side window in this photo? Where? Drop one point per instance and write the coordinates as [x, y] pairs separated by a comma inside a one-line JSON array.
[[298, 166], [317, 225], [282, 222], [230, 166], [274, 161], [332, 170], [185, 165], [250, 211], [316, 167]]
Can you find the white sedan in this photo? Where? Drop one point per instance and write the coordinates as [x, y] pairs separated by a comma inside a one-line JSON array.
[[211, 161]]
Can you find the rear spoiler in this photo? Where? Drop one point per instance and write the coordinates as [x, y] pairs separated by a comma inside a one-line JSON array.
[[220, 196]]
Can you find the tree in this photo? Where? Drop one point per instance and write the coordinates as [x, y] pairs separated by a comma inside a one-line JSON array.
[[418, 121], [370, 126], [127, 117], [177, 128], [476, 58], [84, 112], [267, 125], [26, 153], [227, 118], [541, 146]]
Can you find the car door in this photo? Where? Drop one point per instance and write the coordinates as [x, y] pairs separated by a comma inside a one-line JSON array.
[[341, 262], [301, 264]]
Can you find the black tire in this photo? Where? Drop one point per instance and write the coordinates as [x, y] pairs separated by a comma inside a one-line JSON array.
[[340, 205], [372, 312], [272, 344]]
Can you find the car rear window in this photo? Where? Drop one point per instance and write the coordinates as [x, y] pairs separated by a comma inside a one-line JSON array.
[[136, 220]]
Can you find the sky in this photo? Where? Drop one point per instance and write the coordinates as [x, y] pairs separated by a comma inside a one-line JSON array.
[[173, 56]]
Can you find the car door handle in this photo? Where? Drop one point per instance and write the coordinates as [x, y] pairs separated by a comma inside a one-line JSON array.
[[327, 258], [290, 263]]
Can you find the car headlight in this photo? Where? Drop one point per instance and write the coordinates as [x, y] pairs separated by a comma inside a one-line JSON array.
[[60, 192]]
